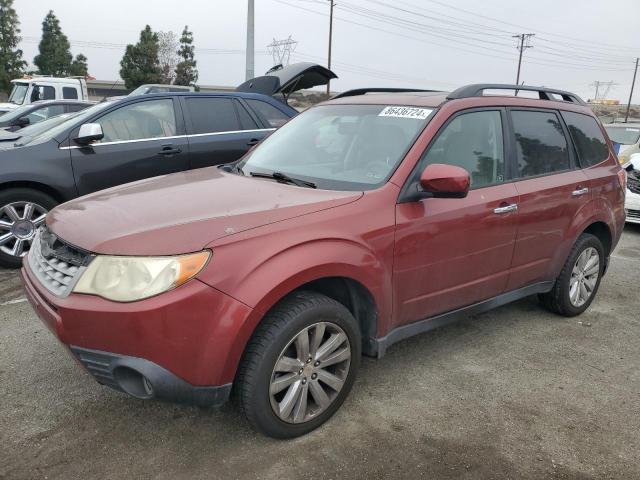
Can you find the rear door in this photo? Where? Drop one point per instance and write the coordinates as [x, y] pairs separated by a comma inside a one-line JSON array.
[[220, 129], [552, 190], [141, 139]]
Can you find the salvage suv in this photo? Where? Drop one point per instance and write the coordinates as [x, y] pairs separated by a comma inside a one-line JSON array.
[[366, 219]]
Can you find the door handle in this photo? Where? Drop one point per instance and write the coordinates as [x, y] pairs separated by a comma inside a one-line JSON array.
[[168, 150], [253, 141], [506, 209], [579, 191]]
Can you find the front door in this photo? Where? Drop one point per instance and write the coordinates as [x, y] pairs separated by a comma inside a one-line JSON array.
[[452, 252], [141, 140]]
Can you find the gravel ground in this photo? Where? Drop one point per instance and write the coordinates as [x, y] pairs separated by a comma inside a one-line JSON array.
[[514, 393]]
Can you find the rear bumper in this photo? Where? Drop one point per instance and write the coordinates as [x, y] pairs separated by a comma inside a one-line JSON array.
[[143, 379]]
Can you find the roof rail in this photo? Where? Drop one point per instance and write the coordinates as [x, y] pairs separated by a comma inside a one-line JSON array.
[[476, 89], [362, 91]]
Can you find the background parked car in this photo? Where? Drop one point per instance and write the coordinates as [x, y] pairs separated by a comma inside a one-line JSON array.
[[126, 140], [37, 112], [632, 199], [159, 88], [626, 137], [30, 90]]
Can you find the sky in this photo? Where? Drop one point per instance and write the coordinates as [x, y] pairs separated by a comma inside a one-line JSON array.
[[431, 44]]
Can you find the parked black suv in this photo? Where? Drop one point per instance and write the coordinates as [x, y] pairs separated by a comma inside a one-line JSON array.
[[131, 139]]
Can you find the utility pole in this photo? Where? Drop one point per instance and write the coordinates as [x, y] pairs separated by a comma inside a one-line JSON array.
[[525, 39], [633, 82], [249, 72], [332, 4]]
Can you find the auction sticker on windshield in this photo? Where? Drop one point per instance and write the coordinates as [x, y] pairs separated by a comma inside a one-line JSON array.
[[406, 112]]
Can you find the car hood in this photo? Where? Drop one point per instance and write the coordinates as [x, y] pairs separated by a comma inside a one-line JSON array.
[[7, 136], [182, 212], [7, 107], [289, 79]]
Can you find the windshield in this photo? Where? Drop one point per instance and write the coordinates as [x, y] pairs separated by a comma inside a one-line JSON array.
[[18, 93], [340, 147], [623, 135], [56, 129]]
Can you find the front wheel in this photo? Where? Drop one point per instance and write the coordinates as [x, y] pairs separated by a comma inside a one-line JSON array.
[[299, 366], [22, 211], [578, 282]]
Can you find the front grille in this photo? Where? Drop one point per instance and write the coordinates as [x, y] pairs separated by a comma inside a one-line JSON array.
[[633, 181], [635, 214], [57, 265], [98, 365]]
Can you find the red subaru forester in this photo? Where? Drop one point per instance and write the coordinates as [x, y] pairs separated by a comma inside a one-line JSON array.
[[367, 219]]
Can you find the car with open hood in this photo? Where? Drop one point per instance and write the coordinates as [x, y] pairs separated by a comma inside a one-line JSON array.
[[116, 142], [364, 220]]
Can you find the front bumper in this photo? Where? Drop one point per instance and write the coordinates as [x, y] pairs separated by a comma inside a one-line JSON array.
[[182, 341], [632, 207]]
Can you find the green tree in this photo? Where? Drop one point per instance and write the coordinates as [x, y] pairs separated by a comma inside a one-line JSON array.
[[11, 62], [55, 56], [140, 63], [79, 67], [186, 71]]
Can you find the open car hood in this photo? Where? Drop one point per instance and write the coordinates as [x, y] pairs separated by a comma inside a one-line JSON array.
[[289, 79]]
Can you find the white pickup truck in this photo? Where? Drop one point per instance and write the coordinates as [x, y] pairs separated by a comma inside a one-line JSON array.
[[32, 89]]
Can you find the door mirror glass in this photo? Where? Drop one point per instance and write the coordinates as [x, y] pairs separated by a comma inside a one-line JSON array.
[[445, 181], [89, 132]]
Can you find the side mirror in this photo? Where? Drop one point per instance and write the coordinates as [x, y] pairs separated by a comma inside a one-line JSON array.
[[445, 181], [89, 132], [22, 122]]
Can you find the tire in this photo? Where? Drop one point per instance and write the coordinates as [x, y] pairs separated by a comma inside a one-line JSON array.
[[16, 239], [561, 298], [276, 338]]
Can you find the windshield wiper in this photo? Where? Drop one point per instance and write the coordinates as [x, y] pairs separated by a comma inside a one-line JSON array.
[[281, 177]]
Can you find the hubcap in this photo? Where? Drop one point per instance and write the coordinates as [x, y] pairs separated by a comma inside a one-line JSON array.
[[310, 372], [18, 224], [584, 277]]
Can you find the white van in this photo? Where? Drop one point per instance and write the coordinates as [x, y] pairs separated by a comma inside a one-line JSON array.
[[31, 89]]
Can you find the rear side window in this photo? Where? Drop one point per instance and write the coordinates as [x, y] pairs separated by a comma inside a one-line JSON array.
[[211, 115], [474, 142], [587, 137], [540, 143], [274, 117], [69, 93]]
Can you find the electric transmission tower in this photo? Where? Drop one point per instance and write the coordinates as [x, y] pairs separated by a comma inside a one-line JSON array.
[[524, 42], [602, 89], [281, 50]]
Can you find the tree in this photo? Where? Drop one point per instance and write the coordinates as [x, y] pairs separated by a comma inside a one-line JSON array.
[[168, 55], [140, 63], [79, 67], [186, 71], [55, 57], [11, 62]]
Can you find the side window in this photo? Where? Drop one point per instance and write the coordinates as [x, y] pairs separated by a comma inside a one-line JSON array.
[[587, 137], [540, 141], [246, 122], [43, 92], [474, 142], [149, 119], [69, 93], [76, 107], [44, 113], [271, 114], [211, 114]]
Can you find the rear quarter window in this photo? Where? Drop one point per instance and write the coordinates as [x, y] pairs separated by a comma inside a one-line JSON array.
[[587, 138], [69, 93], [271, 114]]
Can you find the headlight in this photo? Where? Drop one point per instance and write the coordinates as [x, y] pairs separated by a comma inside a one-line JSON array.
[[125, 279]]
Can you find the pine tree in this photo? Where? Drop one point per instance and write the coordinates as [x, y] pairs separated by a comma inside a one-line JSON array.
[[79, 67], [55, 56], [186, 71], [11, 62], [140, 63]]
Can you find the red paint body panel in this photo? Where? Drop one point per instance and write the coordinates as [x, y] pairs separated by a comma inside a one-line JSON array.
[[416, 259]]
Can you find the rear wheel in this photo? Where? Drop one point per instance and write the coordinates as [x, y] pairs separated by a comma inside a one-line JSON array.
[[578, 282], [299, 365], [22, 211]]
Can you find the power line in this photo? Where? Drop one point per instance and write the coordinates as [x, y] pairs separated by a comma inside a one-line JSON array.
[[281, 50]]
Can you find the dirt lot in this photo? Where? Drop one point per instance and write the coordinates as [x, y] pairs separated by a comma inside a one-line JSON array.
[[515, 393]]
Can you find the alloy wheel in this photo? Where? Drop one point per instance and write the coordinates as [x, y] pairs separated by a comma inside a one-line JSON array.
[[310, 372], [18, 224], [584, 277]]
